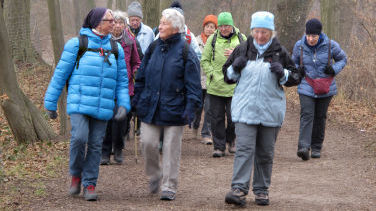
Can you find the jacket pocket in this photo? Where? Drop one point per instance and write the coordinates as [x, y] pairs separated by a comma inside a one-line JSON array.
[[172, 107], [143, 105]]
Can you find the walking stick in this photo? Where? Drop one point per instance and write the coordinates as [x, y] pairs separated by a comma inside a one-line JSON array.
[[135, 139]]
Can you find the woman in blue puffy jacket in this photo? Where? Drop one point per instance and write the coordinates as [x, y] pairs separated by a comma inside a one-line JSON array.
[[167, 94], [95, 80], [314, 54]]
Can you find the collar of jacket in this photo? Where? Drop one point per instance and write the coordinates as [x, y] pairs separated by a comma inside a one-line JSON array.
[[252, 51], [169, 41]]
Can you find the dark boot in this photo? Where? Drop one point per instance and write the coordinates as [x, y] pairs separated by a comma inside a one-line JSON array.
[[315, 154], [262, 199], [236, 197], [118, 156], [105, 160], [303, 153]]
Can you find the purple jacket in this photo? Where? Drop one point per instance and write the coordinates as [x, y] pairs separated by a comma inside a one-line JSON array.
[[132, 60]]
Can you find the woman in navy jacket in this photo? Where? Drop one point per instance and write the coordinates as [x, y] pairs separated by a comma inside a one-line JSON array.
[[313, 55], [167, 94]]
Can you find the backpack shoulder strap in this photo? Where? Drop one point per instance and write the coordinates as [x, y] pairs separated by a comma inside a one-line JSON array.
[[188, 36], [329, 52], [82, 48], [213, 44], [185, 52], [114, 49], [240, 37]]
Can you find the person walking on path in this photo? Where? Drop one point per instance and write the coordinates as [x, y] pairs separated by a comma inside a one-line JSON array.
[[117, 130], [259, 67], [95, 78], [209, 25], [314, 54], [167, 93], [218, 48], [143, 33]]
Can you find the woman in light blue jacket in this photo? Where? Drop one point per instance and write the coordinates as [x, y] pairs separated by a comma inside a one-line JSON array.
[[259, 66], [96, 79], [314, 54]]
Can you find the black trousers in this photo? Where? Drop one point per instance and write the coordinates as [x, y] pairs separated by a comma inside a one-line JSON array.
[[219, 111]]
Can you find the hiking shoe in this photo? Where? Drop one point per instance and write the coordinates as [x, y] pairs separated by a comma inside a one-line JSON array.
[[75, 187], [118, 156], [167, 195], [262, 199], [105, 160], [236, 197], [154, 186], [231, 147], [315, 154], [90, 194], [207, 141], [303, 153], [218, 153]]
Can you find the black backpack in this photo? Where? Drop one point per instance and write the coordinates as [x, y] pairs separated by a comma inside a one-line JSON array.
[[83, 43], [240, 37], [83, 47]]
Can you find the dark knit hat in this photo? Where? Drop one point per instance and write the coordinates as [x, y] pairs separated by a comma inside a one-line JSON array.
[[135, 9], [177, 6], [94, 17], [313, 26]]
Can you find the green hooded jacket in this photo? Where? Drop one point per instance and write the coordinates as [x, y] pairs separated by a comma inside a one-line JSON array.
[[215, 83]]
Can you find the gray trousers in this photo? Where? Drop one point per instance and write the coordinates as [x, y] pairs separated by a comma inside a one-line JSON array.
[[313, 113], [254, 146], [170, 157]]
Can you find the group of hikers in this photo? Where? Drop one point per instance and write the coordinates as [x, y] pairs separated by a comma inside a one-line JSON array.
[[118, 67]]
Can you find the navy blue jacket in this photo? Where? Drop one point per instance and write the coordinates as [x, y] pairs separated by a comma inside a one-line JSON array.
[[166, 86]]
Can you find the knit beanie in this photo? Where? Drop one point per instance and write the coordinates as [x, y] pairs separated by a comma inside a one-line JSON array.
[[177, 6], [313, 26], [94, 17], [135, 9], [225, 18], [262, 19], [210, 19]]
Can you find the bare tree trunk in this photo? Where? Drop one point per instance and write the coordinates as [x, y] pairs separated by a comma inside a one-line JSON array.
[[56, 28], [109, 4], [337, 18], [164, 4], [121, 5], [81, 9], [151, 13], [25, 120], [17, 19]]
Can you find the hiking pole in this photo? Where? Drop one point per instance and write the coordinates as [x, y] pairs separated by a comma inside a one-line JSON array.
[[135, 139]]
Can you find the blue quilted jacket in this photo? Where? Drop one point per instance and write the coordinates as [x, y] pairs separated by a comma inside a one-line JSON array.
[[315, 60], [95, 85]]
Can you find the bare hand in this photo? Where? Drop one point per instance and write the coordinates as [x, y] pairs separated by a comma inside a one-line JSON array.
[[228, 52]]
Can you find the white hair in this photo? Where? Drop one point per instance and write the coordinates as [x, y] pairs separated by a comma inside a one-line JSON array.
[[176, 19], [120, 15]]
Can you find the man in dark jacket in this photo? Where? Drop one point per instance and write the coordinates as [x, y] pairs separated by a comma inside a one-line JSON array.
[[167, 94]]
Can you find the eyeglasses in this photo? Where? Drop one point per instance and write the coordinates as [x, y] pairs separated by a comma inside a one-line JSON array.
[[109, 20]]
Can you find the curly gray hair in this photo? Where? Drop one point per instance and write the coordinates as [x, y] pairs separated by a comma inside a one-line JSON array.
[[176, 19]]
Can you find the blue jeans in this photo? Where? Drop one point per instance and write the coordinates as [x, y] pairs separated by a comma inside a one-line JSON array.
[[254, 147], [312, 122], [86, 131]]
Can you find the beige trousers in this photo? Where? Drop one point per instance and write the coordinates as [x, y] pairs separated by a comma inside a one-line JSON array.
[[170, 154]]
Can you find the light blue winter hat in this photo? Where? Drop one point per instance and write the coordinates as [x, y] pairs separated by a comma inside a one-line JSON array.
[[262, 19]]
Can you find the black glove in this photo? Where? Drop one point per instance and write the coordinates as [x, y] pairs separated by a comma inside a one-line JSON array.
[[239, 63], [329, 70], [277, 68], [301, 71], [120, 114], [52, 114]]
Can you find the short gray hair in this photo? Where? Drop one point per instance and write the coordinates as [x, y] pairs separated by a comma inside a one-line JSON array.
[[176, 19], [117, 14]]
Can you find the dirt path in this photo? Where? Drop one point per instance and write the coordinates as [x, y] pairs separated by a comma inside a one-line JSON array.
[[343, 179]]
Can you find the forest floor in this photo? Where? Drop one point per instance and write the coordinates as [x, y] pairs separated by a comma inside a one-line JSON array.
[[36, 177]]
